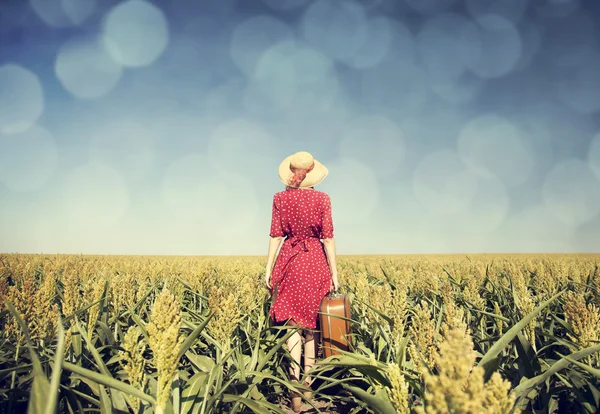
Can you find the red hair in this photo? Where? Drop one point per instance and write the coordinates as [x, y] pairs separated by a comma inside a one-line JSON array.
[[299, 175]]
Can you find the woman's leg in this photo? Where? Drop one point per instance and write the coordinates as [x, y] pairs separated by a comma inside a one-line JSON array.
[[294, 344], [310, 351]]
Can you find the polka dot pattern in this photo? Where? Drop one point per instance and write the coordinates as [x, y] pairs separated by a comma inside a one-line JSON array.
[[301, 276]]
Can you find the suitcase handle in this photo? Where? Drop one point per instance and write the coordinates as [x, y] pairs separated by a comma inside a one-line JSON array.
[[335, 294]]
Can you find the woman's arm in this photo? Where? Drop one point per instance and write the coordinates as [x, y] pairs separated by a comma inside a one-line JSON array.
[[330, 253], [329, 241], [274, 243], [276, 234]]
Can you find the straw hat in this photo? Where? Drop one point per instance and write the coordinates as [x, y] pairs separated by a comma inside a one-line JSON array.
[[302, 160]]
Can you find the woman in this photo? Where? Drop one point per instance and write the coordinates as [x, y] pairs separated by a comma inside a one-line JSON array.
[[305, 269]]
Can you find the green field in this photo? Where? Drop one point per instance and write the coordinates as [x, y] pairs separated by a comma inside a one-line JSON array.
[[431, 333]]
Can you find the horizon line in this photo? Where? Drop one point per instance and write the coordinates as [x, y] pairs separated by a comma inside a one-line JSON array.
[[337, 255]]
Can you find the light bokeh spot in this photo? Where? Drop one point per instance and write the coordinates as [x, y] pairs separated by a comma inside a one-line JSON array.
[[398, 83], [27, 159], [376, 45], [354, 190], [430, 6], [13, 14], [448, 43], [512, 10], [285, 4], [136, 33], [580, 88], [488, 210], [95, 195], [536, 229], [443, 184], [201, 196], [375, 140], [78, 11], [572, 192], [275, 78], [493, 146], [190, 190], [337, 27], [85, 69], [463, 89], [290, 72], [125, 145], [573, 39], [594, 155], [557, 9], [63, 13], [233, 145], [500, 46], [531, 44], [21, 100], [253, 37]]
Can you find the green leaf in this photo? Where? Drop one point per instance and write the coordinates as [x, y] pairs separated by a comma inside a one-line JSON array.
[[18, 368], [502, 343], [378, 403], [81, 310], [104, 332], [40, 387], [94, 387], [176, 393], [108, 381], [37, 366], [189, 341], [76, 343], [191, 392], [202, 362], [595, 372], [293, 386], [104, 309], [105, 403], [526, 385], [258, 406], [82, 395], [368, 370], [39, 394], [56, 370], [118, 401], [141, 324], [493, 315], [256, 351], [527, 361], [266, 358], [92, 349], [378, 312]]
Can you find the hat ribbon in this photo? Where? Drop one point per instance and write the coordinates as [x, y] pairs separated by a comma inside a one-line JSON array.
[[309, 169], [299, 174]]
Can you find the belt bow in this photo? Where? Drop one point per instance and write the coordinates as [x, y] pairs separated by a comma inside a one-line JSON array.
[[297, 240], [297, 244]]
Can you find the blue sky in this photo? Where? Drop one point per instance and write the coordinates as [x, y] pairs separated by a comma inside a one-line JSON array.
[[451, 126]]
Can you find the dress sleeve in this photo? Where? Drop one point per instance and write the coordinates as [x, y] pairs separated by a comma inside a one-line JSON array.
[[276, 227], [326, 221]]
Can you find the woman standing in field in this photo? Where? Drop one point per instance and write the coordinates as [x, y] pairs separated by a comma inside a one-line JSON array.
[[305, 269]]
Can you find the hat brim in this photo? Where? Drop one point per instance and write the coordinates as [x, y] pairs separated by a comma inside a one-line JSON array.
[[314, 177]]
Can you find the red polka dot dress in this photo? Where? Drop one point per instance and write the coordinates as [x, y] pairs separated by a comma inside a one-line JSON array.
[[301, 276]]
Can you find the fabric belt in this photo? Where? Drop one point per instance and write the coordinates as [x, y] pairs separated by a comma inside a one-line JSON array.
[[297, 244]]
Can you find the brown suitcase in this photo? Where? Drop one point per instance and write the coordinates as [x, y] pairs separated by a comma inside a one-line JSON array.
[[334, 331]]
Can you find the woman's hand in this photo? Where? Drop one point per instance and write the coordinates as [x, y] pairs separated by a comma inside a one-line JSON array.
[[268, 278], [335, 285]]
